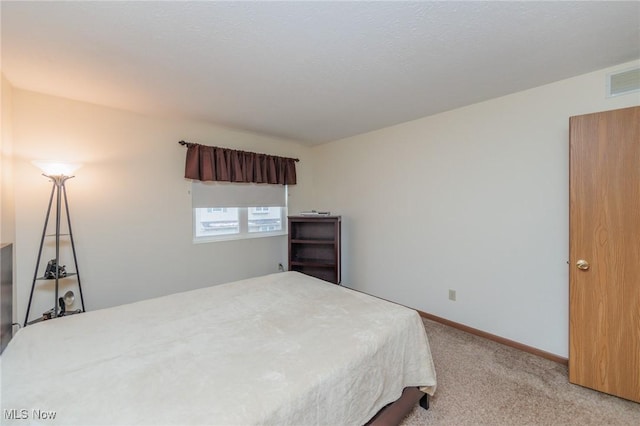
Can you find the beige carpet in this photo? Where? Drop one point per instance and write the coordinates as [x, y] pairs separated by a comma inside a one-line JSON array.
[[481, 382]]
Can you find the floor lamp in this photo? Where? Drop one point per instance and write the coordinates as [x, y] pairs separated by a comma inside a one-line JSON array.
[[58, 173]]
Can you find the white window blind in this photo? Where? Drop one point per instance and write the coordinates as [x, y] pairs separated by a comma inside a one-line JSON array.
[[227, 194]]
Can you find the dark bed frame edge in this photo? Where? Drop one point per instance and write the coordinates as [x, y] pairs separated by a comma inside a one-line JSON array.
[[392, 414]]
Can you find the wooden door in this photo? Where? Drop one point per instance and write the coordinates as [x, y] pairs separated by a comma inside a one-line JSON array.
[[604, 249]]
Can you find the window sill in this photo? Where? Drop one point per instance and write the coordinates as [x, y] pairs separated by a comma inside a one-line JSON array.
[[233, 237]]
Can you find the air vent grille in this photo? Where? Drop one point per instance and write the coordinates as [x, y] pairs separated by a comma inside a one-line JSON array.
[[623, 82]]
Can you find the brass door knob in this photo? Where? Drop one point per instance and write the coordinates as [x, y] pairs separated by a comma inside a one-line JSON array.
[[582, 264]]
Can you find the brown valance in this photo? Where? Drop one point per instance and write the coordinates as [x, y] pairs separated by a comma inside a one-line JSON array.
[[210, 163]]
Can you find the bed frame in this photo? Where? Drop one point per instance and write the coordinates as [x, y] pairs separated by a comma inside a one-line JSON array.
[[392, 414]]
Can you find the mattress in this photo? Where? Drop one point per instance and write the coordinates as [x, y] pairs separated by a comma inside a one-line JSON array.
[[280, 349]]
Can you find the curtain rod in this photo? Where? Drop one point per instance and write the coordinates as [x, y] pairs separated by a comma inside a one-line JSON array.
[[183, 143]]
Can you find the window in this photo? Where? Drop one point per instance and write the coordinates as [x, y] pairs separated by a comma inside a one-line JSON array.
[[265, 219], [224, 211], [211, 222]]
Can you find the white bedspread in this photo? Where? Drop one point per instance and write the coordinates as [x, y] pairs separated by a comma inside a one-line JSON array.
[[280, 349]]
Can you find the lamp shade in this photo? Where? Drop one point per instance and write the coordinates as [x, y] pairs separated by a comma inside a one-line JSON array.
[[57, 168]]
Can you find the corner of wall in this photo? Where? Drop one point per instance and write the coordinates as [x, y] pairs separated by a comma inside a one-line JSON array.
[[7, 229]]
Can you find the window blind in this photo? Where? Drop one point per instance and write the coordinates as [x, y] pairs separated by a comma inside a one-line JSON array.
[[227, 194]]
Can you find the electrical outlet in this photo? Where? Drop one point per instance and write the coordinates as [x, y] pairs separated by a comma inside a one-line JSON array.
[[452, 295]]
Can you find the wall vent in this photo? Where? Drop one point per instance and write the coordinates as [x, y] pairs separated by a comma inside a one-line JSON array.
[[623, 82]]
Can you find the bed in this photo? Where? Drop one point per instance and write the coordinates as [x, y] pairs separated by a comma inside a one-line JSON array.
[[280, 349]]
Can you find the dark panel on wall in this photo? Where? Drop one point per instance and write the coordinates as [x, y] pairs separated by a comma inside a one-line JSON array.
[[6, 295]]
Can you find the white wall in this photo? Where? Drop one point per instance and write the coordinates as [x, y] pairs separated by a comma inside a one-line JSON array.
[[130, 205], [7, 220], [475, 200]]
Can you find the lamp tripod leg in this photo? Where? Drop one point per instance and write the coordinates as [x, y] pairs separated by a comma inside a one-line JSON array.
[[35, 274]]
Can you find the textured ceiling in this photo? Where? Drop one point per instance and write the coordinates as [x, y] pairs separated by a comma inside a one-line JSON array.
[[308, 71]]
